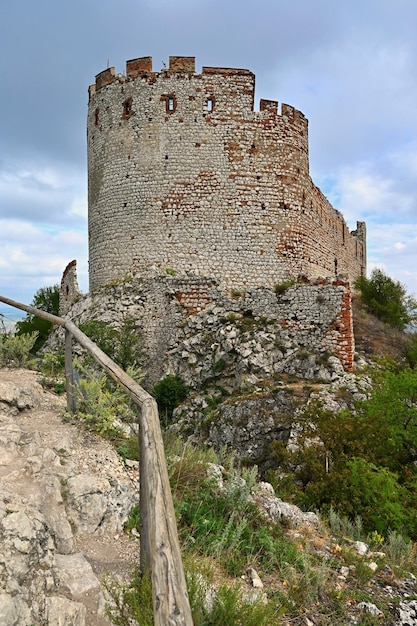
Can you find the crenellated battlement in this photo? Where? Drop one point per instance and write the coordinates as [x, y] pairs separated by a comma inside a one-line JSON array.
[[240, 81]]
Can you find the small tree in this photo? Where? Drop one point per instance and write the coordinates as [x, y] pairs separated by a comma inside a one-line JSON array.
[[16, 351], [123, 344], [169, 392], [387, 299], [45, 299]]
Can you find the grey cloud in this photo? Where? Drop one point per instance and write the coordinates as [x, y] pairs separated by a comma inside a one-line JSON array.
[[351, 67]]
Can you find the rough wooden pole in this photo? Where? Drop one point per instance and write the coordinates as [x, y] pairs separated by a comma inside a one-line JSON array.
[[160, 550], [69, 372], [30, 309]]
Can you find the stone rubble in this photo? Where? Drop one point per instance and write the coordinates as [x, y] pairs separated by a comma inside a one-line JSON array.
[[261, 333]]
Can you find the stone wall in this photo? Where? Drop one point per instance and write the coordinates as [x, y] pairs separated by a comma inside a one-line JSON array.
[[185, 176], [262, 334], [195, 329], [69, 290]]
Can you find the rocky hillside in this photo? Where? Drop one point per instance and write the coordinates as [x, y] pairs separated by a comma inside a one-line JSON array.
[[373, 338], [65, 496]]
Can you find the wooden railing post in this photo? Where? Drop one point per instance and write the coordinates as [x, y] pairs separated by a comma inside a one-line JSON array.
[[69, 372], [160, 548]]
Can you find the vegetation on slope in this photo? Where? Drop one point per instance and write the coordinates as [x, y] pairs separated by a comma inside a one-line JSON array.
[[45, 299], [309, 575], [387, 299], [356, 466], [361, 460]]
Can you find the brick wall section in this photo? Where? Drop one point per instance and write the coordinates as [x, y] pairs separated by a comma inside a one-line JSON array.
[[193, 298], [138, 67], [340, 335], [182, 64], [185, 174]]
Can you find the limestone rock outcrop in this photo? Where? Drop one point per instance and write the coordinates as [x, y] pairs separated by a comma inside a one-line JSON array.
[[65, 496]]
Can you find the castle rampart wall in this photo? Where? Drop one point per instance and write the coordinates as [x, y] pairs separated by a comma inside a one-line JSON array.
[[185, 176], [188, 325]]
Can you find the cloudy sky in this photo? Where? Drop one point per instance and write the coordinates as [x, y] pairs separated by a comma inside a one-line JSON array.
[[351, 67]]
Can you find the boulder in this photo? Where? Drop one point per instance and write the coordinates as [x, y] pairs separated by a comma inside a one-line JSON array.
[[96, 504]]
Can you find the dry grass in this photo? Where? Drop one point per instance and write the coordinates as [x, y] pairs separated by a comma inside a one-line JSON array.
[[373, 337]]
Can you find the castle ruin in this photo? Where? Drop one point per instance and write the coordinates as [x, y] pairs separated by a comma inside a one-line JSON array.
[[186, 177], [201, 207]]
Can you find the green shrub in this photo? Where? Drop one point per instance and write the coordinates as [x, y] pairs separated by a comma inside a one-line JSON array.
[[342, 525], [229, 608], [130, 346], [102, 334], [411, 350], [134, 519], [284, 286], [16, 350], [169, 393], [399, 550], [95, 404], [128, 448], [219, 366], [123, 345], [98, 405], [236, 294], [130, 602], [387, 299], [232, 317], [52, 366], [375, 494], [46, 299]]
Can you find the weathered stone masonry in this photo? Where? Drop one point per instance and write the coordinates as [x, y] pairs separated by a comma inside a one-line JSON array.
[[69, 291], [187, 179], [256, 334], [185, 175]]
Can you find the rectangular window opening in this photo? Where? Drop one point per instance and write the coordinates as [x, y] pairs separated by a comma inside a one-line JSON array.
[[170, 103]]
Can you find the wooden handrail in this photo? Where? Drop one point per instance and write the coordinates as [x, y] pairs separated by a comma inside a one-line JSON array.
[[159, 545]]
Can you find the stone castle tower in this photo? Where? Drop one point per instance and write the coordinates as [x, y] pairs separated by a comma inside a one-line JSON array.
[[186, 177]]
